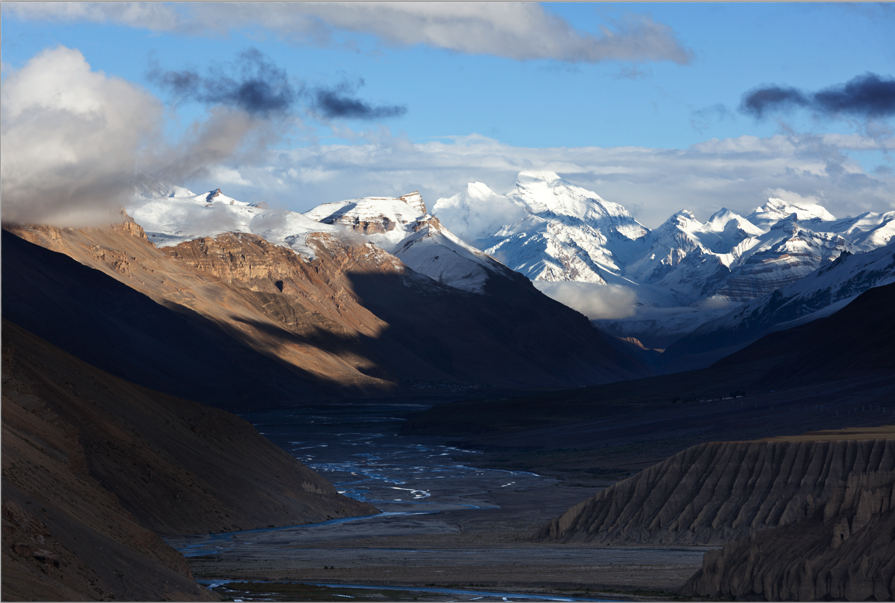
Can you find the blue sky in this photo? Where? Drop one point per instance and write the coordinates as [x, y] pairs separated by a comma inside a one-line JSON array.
[[638, 102]]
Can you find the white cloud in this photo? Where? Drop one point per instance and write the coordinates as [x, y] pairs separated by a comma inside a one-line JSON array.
[[593, 300], [520, 31], [154, 16], [794, 198], [651, 183], [476, 212], [226, 175], [75, 142], [70, 140]]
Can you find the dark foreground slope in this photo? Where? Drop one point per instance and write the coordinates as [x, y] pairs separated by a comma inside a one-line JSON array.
[[806, 518], [95, 467], [835, 372]]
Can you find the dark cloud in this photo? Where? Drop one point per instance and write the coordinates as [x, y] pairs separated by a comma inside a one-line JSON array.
[[772, 98], [868, 96], [339, 102], [259, 88]]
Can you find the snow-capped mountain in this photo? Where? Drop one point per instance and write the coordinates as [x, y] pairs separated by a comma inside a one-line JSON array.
[[403, 227], [181, 215], [399, 225], [777, 209], [821, 293], [545, 228], [568, 233], [784, 254], [681, 275]]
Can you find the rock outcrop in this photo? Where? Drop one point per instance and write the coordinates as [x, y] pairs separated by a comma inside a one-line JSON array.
[[722, 491], [845, 550], [95, 468]]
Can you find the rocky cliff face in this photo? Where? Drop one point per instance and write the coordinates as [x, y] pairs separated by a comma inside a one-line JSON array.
[[95, 467], [717, 492], [845, 550]]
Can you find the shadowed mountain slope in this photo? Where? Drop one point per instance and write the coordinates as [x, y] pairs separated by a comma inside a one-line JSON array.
[[352, 320], [408, 326], [857, 340], [822, 292], [831, 372], [94, 467], [118, 329]]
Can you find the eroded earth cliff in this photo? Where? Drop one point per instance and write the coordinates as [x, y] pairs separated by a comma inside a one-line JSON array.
[[720, 491]]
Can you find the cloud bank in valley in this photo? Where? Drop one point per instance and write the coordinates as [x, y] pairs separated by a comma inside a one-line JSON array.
[[593, 300], [518, 31]]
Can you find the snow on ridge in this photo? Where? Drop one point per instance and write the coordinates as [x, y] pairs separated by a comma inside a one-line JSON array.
[[398, 225], [401, 226], [821, 292], [177, 217], [777, 209], [567, 233]]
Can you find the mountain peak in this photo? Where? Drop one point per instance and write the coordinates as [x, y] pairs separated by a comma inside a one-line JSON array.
[[415, 200], [722, 214], [683, 219], [778, 209], [479, 190], [684, 213]]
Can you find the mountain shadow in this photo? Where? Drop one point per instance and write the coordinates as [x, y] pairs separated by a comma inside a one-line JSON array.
[[510, 335], [834, 372]]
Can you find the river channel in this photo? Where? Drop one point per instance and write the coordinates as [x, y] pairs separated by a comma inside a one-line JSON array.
[[448, 530]]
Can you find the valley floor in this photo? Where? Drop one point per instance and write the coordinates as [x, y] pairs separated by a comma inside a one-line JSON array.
[[478, 549], [447, 523], [464, 519]]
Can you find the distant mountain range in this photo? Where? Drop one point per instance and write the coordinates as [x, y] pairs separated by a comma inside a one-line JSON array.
[[553, 231], [375, 298], [702, 290]]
